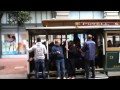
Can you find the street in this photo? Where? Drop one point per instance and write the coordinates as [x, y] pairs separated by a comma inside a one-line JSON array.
[[13, 68]]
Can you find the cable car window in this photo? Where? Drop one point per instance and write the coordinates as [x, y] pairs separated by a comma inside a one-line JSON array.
[[113, 39]]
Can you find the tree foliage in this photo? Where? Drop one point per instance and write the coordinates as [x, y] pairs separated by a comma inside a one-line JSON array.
[[18, 17], [14, 17]]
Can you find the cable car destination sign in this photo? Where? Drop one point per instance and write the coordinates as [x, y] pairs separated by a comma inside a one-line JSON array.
[[97, 23]]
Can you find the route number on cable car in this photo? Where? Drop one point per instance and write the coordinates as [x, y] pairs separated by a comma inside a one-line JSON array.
[[111, 57], [119, 57]]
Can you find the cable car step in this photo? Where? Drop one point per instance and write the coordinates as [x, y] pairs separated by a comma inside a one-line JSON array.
[[77, 71], [98, 76]]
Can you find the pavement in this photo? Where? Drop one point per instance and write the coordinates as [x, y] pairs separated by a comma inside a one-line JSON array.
[[13, 68], [13, 76], [17, 69]]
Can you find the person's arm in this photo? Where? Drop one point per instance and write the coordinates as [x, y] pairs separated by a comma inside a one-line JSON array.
[[31, 55], [31, 59], [84, 48], [66, 48], [30, 49]]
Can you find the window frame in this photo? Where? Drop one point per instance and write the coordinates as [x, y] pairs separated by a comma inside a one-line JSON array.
[[111, 48]]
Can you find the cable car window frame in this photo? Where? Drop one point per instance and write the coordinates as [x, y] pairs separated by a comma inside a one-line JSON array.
[[111, 48]]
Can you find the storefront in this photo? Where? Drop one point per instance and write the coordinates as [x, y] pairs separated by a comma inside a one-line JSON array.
[[14, 42]]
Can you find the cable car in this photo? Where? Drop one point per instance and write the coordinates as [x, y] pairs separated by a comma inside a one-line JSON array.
[[106, 35]]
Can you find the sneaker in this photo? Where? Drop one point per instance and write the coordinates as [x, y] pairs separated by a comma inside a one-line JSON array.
[[58, 77], [69, 78], [73, 78], [92, 77], [64, 77]]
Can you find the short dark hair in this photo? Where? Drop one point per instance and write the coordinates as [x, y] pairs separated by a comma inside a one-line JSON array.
[[56, 41], [8, 35], [38, 39]]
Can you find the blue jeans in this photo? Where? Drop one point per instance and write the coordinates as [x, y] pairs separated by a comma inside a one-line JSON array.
[[37, 66], [60, 65]]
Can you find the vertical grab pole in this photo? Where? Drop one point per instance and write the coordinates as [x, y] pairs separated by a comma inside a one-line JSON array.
[[47, 47], [66, 50], [119, 51], [34, 38], [28, 63], [103, 45], [66, 46], [30, 40], [104, 38], [47, 54], [119, 56], [61, 39]]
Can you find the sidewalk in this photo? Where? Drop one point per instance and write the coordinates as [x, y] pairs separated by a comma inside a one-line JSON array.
[[13, 76], [13, 68]]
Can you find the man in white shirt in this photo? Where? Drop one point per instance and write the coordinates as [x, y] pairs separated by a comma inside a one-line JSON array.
[[39, 57]]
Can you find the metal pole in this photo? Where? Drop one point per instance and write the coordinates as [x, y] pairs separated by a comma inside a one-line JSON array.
[[29, 40], [18, 33], [47, 54], [47, 47], [66, 46], [84, 37], [28, 63], [61, 39], [0, 40], [18, 38], [103, 45], [119, 56], [34, 38]]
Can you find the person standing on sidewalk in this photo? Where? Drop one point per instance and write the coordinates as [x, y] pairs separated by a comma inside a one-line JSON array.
[[89, 48], [58, 55], [39, 57]]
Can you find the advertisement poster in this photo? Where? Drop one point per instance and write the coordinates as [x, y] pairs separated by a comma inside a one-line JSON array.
[[10, 45]]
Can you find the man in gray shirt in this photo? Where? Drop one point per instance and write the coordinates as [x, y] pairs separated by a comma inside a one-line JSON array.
[[39, 57]]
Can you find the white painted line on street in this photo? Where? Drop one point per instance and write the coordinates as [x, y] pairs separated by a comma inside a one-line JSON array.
[[19, 67]]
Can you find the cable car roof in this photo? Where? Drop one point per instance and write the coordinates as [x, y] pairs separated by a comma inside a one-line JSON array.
[[67, 29], [74, 26]]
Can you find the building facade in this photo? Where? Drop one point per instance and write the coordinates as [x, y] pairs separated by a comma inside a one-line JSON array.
[[15, 39]]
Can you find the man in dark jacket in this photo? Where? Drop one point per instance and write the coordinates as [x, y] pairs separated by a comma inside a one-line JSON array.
[[90, 51], [71, 57], [57, 52]]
